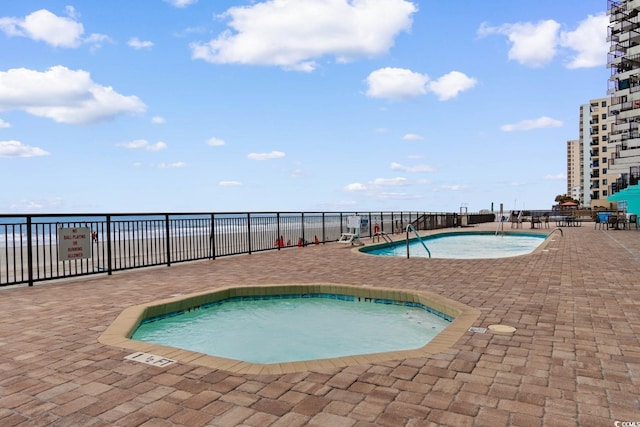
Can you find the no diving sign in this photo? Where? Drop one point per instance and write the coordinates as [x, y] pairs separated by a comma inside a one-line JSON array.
[[74, 243]]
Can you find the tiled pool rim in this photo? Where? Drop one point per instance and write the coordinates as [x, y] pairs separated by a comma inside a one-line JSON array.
[[365, 250], [119, 332]]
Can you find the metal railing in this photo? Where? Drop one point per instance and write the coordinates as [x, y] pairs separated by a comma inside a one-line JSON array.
[[411, 228], [30, 249]]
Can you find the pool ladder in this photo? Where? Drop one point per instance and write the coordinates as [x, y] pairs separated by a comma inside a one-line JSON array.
[[410, 227], [384, 236], [556, 229]]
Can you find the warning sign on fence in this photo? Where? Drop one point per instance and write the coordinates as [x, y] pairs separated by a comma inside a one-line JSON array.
[[74, 243]]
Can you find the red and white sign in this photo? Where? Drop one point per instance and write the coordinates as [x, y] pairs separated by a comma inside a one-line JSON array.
[[74, 243]]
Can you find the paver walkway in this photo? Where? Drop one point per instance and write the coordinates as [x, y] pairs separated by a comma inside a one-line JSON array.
[[574, 359]]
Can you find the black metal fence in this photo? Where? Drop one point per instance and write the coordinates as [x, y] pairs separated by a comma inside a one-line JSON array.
[[30, 246]]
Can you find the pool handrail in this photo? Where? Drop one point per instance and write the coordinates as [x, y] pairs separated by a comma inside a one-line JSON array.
[[410, 227], [558, 229]]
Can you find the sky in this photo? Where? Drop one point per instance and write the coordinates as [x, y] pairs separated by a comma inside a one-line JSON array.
[[293, 105]]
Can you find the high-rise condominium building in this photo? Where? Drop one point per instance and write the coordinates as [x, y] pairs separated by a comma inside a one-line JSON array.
[[588, 175], [575, 168], [624, 88]]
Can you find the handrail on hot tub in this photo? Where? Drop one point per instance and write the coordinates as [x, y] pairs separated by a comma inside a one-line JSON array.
[[410, 227]]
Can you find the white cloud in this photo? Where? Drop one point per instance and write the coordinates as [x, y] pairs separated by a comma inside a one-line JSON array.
[[531, 44], [137, 44], [157, 120], [356, 186], [229, 183], [4, 125], [96, 40], [26, 206], [557, 177], [342, 203], [412, 137], [455, 187], [390, 181], [174, 165], [266, 156], [539, 123], [63, 95], [57, 31], [396, 83], [451, 84], [413, 169], [215, 142], [398, 196], [18, 149], [180, 3], [294, 34], [72, 12], [589, 40], [536, 44], [298, 173], [142, 144]]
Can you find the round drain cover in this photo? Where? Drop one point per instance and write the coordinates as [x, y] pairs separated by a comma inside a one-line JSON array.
[[502, 328]]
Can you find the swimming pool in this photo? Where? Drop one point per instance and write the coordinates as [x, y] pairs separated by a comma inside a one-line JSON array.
[[120, 332], [293, 327], [463, 245]]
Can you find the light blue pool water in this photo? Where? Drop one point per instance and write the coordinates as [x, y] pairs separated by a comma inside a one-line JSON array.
[[463, 246], [277, 329]]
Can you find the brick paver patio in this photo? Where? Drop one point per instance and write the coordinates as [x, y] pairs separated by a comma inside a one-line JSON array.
[[574, 359]]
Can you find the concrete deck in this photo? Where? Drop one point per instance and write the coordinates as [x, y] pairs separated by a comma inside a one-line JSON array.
[[574, 359]]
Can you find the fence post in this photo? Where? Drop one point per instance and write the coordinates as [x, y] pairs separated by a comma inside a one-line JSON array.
[[29, 252], [109, 270], [249, 231], [302, 219], [212, 238], [278, 230], [324, 235], [167, 238]]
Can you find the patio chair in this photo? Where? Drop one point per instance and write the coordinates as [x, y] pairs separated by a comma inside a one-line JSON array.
[[612, 222], [633, 220], [622, 222], [597, 222]]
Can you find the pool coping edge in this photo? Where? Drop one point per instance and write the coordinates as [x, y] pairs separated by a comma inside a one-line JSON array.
[[119, 332]]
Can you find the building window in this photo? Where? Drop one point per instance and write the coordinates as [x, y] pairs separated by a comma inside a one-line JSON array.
[[604, 170], [604, 127], [604, 103], [604, 193], [604, 116], [604, 138], [604, 182], [604, 149], [604, 160]]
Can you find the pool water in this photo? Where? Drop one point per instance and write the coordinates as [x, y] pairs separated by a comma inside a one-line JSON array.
[[275, 330], [464, 246]]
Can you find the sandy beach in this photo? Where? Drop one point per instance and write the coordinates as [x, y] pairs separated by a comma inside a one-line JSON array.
[[190, 240]]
